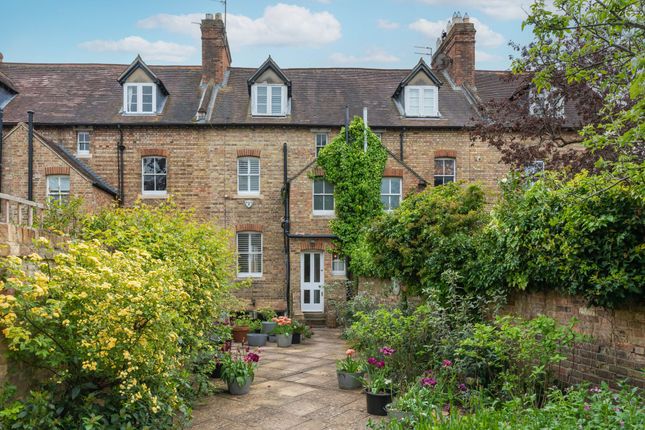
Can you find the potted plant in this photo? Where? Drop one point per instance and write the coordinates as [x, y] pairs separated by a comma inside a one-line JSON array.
[[283, 331], [349, 371], [254, 337], [378, 383], [300, 331], [238, 370], [241, 327], [268, 324]]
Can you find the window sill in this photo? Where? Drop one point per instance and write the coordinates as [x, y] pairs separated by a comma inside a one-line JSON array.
[[256, 276], [83, 155], [248, 196], [266, 115], [145, 196], [324, 215], [140, 114], [339, 274]]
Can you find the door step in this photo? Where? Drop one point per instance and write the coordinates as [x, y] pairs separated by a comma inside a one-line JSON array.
[[316, 319]]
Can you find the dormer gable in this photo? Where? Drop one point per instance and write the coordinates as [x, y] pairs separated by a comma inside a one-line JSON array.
[[143, 92], [270, 90], [418, 93], [8, 89]]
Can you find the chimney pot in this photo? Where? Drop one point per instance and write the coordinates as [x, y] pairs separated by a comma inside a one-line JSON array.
[[216, 56], [457, 50], [1, 57], [218, 16], [209, 16]]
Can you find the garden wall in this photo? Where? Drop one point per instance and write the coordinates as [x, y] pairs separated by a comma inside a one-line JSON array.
[[617, 350]]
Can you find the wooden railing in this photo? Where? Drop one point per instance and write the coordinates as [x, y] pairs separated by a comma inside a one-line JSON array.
[[14, 210]]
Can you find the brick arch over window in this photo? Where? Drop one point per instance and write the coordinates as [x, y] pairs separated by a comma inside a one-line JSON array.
[[445, 153], [392, 172], [248, 153], [62, 170], [249, 227], [153, 152], [313, 245]]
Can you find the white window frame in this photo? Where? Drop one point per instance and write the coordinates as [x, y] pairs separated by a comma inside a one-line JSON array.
[[423, 111], [336, 260], [317, 141], [60, 196], [539, 103], [83, 152], [248, 174], [254, 98], [139, 110], [321, 212], [390, 193], [443, 175], [249, 253], [155, 193]]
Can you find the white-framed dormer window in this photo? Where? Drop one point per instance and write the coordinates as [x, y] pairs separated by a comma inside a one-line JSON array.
[[323, 197], [139, 98], [546, 103], [338, 265], [444, 170], [390, 193], [321, 141], [83, 143], [249, 254], [269, 100], [248, 175], [421, 101], [58, 188], [154, 173]]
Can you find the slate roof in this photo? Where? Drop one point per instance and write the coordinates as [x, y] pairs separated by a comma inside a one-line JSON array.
[[90, 94]]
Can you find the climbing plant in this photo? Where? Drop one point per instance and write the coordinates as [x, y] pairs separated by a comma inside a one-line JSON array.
[[355, 172]]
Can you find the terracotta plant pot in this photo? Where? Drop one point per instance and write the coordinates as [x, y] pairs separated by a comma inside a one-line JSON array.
[[376, 403], [235, 389], [296, 338], [349, 381], [284, 340], [256, 339], [239, 334]]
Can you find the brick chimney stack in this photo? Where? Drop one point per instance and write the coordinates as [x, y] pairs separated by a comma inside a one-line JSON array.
[[456, 50], [216, 55]]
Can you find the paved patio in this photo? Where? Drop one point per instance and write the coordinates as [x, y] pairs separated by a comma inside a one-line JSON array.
[[294, 388]]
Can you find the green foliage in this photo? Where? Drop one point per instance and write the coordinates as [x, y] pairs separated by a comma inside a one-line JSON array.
[[356, 175], [430, 233], [512, 358], [582, 236], [347, 310], [64, 217], [239, 366], [350, 364]]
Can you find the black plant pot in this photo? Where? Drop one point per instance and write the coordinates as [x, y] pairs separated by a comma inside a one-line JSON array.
[[296, 338], [217, 373], [376, 403]]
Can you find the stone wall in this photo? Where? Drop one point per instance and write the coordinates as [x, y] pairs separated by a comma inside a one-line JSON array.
[[617, 349]]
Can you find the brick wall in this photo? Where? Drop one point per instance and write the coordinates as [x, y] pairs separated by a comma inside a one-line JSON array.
[[617, 350]]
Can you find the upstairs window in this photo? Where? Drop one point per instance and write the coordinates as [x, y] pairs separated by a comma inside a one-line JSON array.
[[323, 197], [83, 143], [444, 171], [269, 100], [390, 193], [421, 101], [153, 176], [249, 254], [58, 188], [321, 141], [248, 175], [546, 103], [139, 98]]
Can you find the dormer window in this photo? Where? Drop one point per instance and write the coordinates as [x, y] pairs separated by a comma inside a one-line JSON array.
[[421, 101], [269, 99], [139, 98]]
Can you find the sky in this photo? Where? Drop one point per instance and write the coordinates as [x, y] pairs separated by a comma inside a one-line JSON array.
[[296, 33]]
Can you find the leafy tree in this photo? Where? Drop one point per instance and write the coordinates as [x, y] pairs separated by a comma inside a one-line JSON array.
[[356, 175]]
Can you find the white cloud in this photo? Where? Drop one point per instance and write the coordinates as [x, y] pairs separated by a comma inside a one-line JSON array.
[[280, 25], [150, 51], [432, 29], [371, 56], [387, 25], [485, 57], [500, 9]]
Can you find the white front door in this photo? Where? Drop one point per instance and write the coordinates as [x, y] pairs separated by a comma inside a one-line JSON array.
[[312, 278]]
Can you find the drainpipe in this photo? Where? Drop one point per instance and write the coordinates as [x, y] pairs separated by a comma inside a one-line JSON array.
[[1, 141], [401, 139], [30, 157], [120, 152], [285, 227]]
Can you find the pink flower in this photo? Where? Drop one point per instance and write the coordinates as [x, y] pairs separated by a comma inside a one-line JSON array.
[[350, 352], [372, 361], [428, 382], [462, 388], [447, 363], [380, 364], [587, 407], [594, 390], [387, 351]]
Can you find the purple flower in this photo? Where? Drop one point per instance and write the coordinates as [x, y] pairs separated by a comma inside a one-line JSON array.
[[587, 407], [594, 390], [462, 388], [428, 382], [387, 351], [447, 363], [372, 361], [380, 364], [446, 408], [252, 357]]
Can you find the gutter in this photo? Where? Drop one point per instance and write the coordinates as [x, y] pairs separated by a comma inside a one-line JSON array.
[[30, 157], [285, 228]]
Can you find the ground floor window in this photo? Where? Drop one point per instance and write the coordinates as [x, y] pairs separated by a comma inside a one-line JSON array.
[[58, 187]]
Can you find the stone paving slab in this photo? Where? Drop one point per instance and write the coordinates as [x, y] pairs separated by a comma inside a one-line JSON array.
[[294, 388]]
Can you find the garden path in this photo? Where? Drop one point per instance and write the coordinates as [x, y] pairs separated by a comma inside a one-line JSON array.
[[294, 388]]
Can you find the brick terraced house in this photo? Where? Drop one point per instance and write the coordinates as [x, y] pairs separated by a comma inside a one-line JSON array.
[[239, 144]]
